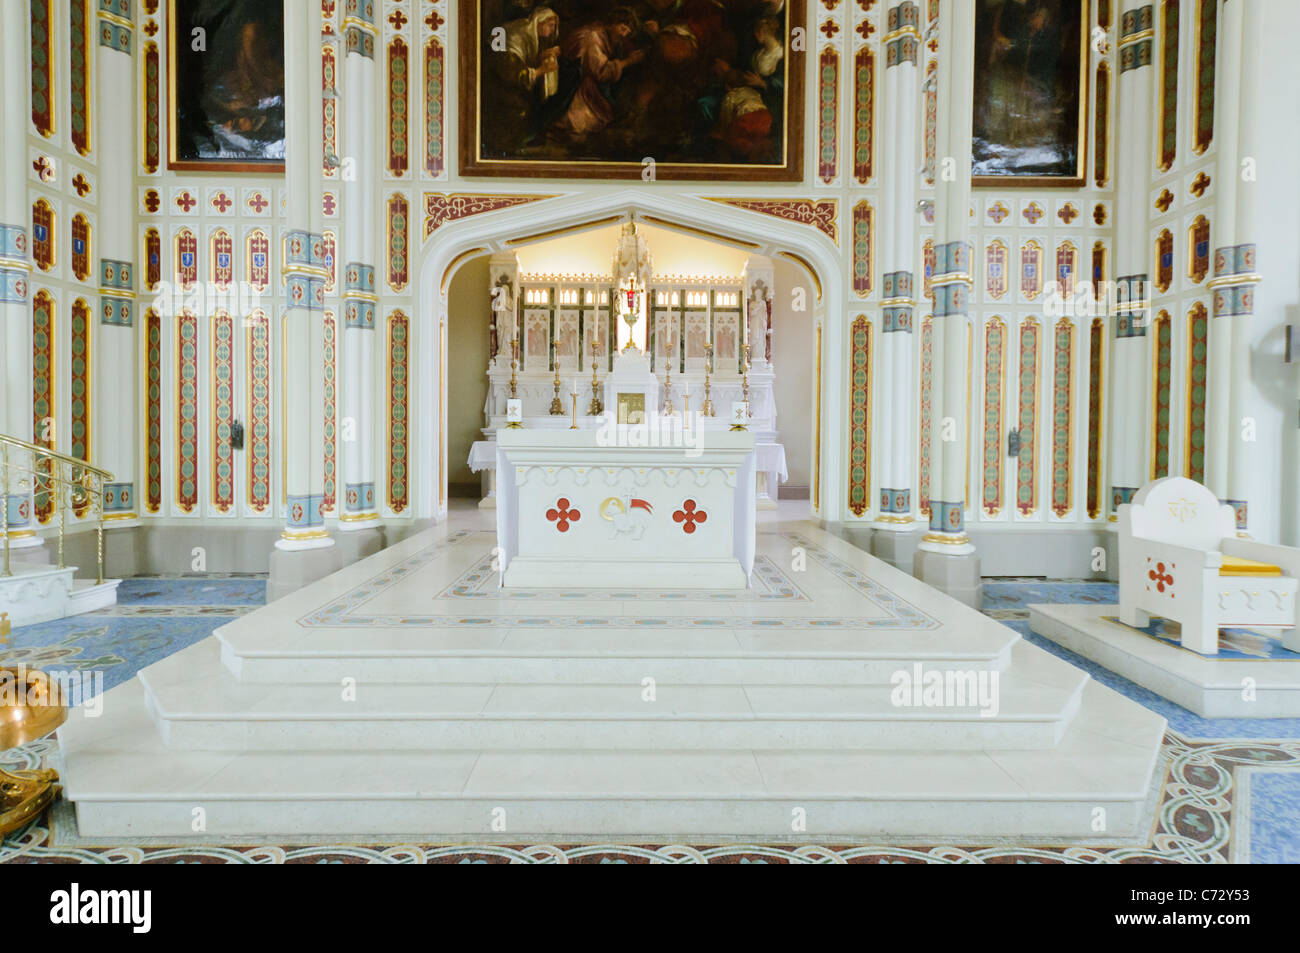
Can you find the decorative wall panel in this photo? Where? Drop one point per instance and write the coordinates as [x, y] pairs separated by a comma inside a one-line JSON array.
[[1101, 127], [79, 382], [398, 241], [828, 114], [864, 108], [223, 411], [398, 131], [860, 416], [1207, 29], [1063, 418], [995, 347], [1096, 399], [1198, 249], [330, 410], [78, 69], [1169, 86], [259, 259], [44, 410], [222, 259], [1164, 260], [1026, 465], [434, 107], [257, 344], [398, 410], [44, 232], [187, 258], [42, 67], [1162, 379], [152, 259], [152, 119], [80, 255], [187, 412], [153, 410], [925, 416], [864, 243], [1198, 330]]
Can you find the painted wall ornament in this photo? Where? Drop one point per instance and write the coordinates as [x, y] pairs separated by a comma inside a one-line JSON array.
[[589, 89]]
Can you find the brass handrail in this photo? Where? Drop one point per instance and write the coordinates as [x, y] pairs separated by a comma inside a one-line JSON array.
[[37, 449], [83, 485]]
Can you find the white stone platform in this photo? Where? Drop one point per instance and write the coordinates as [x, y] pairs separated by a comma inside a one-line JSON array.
[[42, 593], [488, 713], [1210, 687]]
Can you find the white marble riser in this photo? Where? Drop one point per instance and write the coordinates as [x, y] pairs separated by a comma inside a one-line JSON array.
[[127, 783], [196, 704], [673, 655], [479, 669], [1212, 688], [633, 820]]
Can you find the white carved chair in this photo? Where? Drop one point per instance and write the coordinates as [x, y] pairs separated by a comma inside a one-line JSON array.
[[1180, 558]]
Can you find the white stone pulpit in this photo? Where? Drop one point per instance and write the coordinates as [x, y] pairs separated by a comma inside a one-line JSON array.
[[622, 507]]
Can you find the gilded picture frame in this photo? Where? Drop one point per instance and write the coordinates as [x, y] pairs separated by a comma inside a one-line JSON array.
[[705, 90], [1030, 117], [225, 86]]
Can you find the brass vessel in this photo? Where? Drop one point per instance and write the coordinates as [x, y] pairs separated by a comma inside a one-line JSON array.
[[31, 706]]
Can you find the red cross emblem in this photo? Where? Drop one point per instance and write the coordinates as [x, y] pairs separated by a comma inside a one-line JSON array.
[[1160, 577], [186, 202], [561, 515], [257, 203], [688, 516], [221, 203]]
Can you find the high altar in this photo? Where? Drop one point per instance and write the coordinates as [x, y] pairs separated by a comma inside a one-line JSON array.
[[694, 347]]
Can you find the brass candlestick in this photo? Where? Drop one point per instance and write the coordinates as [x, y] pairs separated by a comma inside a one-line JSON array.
[[557, 408], [514, 368], [744, 384], [744, 390], [707, 409], [597, 407], [668, 389], [574, 425]]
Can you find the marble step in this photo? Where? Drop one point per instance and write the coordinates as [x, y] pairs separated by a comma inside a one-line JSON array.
[[1092, 785], [610, 655], [198, 705]]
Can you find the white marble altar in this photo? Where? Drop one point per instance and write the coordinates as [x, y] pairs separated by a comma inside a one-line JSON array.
[[626, 506]]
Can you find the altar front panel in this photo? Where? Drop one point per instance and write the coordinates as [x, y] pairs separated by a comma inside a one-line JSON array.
[[574, 514]]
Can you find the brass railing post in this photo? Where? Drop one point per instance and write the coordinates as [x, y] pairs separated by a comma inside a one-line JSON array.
[[59, 504], [99, 529]]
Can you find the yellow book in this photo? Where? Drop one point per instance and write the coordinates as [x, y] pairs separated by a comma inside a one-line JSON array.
[[1236, 566]]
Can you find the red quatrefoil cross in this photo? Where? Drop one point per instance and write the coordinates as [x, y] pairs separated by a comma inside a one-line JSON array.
[[561, 515], [688, 516], [1160, 577]]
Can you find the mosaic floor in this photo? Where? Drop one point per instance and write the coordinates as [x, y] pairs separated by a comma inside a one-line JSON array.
[[1232, 792]]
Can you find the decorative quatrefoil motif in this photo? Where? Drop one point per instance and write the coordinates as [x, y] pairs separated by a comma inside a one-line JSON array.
[[689, 515], [562, 515]]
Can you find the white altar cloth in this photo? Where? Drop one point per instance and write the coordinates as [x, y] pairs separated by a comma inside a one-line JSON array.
[[572, 513], [768, 458]]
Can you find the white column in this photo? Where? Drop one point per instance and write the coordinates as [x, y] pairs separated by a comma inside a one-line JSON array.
[[304, 281], [951, 282], [1234, 291], [360, 196], [15, 261], [893, 385], [115, 407], [1131, 368]]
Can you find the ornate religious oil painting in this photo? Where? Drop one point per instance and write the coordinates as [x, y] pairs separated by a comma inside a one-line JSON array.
[[226, 79], [590, 89], [1030, 92]]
